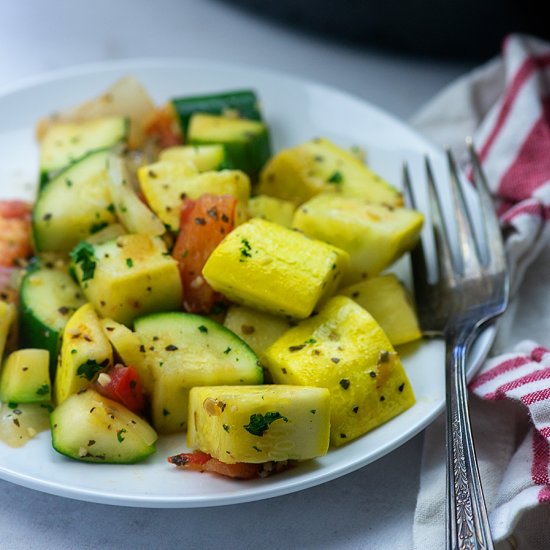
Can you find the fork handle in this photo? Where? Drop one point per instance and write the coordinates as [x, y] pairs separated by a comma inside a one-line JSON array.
[[467, 521]]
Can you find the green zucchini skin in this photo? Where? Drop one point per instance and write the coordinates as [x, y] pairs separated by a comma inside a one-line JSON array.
[[49, 296], [69, 143], [186, 350], [244, 102], [92, 428], [73, 205], [246, 142]]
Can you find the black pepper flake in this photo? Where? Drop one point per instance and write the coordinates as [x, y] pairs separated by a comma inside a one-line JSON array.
[[91, 442], [247, 329], [283, 370], [335, 359], [382, 398], [47, 217], [401, 387], [226, 427], [16, 422], [345, 383], [171, 347], [355, 409], [225, 219], [213, 212], [372, 374], [203, 329], [200, 221], [383, 357], [355, 294], [142, 348], [152, 174], [296, 348], [63, 310], [343, 436]]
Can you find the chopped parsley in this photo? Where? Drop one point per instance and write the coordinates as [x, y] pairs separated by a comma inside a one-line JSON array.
[[96, 227], [259, 423], [43, 390], [336, 177], [129, 262], [90, 368], [245, 250], [83, 254], [202, 328], [120, 434]]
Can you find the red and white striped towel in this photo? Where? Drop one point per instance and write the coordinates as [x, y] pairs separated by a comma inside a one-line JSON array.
[[505, 105]]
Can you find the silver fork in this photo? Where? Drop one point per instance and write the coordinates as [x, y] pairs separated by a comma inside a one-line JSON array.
[[471, 290]]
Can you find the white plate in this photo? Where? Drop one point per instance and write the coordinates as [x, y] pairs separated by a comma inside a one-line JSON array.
[[296, 111]]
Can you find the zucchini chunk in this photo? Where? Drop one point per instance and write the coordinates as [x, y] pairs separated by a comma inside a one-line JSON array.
[[19, 424], [75, 204], [246, 142], [374, 235], [387, 300], [49, 296], [129, 276], [299, 173], [93, 428], [257, 328], [85, 352], [269, 267], [237, 104], [166, 184], [25, 377], [66, 142], [187, 350], [344, 350], [204, 157], [259, 423]]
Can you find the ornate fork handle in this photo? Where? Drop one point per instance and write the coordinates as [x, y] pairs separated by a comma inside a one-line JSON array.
[[468, 522]]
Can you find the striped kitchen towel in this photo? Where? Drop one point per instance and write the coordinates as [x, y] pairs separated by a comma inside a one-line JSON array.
[[505, 106]]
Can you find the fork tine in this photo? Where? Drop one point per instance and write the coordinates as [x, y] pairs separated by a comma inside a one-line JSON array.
[[470, 253], [496, 255], [407, 186], [441, 237]]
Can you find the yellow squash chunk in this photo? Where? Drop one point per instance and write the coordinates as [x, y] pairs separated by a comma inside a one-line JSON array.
[[318, 166], [388, 302], [165, 184], [259, 423], [269, 267], [128, 347], [132, 276], [271, 209], [374, 235], [344, 349], [257, 328], [7, 317], [85, 351], [25, 377]]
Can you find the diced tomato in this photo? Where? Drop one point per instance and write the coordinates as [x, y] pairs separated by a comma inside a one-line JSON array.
[[202, 462], [204, 224], [164, 128], [15, 232], [124, 386]]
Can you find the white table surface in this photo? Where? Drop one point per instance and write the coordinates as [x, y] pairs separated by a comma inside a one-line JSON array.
[[371, 508]]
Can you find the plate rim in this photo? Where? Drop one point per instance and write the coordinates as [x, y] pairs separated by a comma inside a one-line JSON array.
[[106, 497]]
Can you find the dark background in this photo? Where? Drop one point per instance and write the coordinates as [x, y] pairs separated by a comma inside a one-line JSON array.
[[462, 29]]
